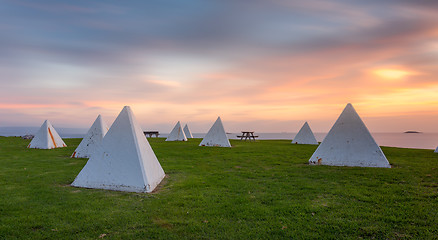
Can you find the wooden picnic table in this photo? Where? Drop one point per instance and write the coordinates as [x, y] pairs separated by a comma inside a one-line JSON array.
[[151, 133], [247, 135]]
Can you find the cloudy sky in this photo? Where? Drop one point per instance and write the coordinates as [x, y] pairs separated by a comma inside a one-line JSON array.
[[262, 65]]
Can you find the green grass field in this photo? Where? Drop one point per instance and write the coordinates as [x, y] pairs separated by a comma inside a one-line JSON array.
[[257, 190]]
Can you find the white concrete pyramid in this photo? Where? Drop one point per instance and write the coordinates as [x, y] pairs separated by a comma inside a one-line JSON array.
[[93, 137], [305, 136], [349, 143], [216, 136], [187, 131], [46, 138], [124, 161], [177, 133]]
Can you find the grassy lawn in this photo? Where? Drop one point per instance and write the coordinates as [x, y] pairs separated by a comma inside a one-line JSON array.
[[256, 190]]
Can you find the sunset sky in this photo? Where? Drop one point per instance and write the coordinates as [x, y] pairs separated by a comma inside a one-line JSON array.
[[262, 65]]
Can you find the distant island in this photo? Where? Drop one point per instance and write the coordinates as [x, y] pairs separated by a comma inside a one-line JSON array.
[[412, 132]]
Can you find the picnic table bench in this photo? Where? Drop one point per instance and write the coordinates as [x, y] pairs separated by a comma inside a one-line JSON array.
[[247, 135], [151, 133]]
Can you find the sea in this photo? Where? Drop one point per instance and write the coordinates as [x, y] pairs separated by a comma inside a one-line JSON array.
[[402, 140]]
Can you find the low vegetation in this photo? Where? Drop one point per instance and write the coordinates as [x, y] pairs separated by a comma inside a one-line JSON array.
[[254, 190]]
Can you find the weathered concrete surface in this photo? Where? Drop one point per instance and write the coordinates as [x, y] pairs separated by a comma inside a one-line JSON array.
[[349, 143], [305, 136], [46, 138], [124, 161], [216, 136], [177, 134], [93, 138]]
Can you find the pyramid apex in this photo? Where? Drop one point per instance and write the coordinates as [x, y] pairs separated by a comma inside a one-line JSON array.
[[349, 109], [127, 110], [47, 123]]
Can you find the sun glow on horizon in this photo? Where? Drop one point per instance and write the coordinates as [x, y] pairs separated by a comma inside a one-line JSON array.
[[393, 74]]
